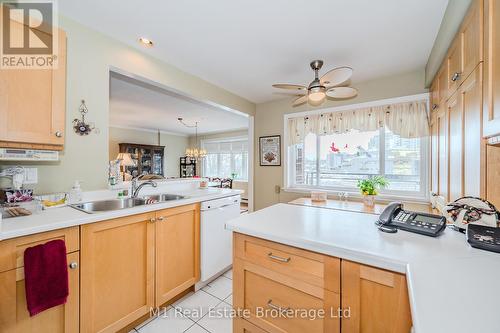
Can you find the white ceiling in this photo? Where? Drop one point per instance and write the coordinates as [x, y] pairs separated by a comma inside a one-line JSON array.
[[245, 46], [134, 104]]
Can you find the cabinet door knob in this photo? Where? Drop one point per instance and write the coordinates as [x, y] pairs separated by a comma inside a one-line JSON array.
[[455, 76], [73, 265], [152, 220], [160, 218], [59, 134]]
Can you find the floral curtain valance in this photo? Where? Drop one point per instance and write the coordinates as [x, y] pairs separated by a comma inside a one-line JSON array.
[[409, 120]]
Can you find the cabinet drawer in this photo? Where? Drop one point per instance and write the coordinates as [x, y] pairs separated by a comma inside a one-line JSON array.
[[316, 269], [241, 325], [279, 303], [12, 250]]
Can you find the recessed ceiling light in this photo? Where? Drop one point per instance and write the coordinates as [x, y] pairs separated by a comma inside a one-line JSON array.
[[146, 42]]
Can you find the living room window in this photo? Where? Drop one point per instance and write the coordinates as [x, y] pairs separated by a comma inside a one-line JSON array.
[[321, 157], [226, 158]]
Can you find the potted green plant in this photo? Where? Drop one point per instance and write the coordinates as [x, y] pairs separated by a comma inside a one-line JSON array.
[[369, 188]]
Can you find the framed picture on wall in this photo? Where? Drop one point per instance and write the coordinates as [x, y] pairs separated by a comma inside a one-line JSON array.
[[270, 150]]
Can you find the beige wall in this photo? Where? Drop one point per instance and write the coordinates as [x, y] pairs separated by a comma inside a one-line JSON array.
[[269, 121], [175, 145], [90, 57]]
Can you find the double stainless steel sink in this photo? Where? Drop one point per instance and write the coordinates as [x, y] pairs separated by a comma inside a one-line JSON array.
[[116, 204]]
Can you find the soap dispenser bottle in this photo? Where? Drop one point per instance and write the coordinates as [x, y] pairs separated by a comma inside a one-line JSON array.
[[75, 195]]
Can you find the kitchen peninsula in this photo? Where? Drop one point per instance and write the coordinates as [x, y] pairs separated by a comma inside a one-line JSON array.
[[288, 256]]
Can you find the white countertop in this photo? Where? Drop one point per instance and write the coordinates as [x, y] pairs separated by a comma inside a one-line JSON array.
[[57, 218], [453, 287]]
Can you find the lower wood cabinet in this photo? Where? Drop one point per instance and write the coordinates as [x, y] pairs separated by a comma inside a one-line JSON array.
[[135, 263], [278, 303], [177, 251], [270, 295], [377, 299], [117, 274], [14, 316]]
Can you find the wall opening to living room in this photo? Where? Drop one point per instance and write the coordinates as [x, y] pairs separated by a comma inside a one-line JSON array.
[[158, 129]]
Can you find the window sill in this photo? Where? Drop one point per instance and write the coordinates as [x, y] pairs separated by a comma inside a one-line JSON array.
[[383, 197]]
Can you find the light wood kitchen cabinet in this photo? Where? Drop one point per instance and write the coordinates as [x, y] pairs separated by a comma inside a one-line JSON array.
[[117, 272], [474, 148], [14, 316], [466, 51], [433, 131], [434, 95], [442, 78], [177, 233], [491, 108], [33, 104], [455, 146], [471, 36], [241, 325], [493, 173], [265, 292], [378, 300], [270, 278], [134, 263], [454, 66], [442, 154]]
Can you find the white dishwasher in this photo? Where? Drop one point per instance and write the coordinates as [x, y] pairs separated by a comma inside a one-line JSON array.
[[216, 241]]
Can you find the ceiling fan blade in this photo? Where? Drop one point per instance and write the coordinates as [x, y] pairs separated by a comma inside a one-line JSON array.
[[301, 100], [336, 76], [341, 92], [290, 93], [290, 86]]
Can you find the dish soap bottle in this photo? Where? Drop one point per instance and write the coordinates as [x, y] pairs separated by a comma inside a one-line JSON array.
[[75, 195]]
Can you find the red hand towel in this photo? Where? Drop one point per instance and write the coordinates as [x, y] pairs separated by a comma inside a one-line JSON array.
[[46, 276]]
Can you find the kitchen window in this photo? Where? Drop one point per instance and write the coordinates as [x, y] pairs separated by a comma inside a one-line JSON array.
[[226, 158], [330, 157]]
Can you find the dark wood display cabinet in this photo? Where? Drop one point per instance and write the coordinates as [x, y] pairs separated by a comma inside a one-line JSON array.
[[148, 159]]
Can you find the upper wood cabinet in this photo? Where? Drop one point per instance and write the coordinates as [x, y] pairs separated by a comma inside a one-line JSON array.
[[434, 126], [442, 152], [33, 104], [471, 35], [117, 272], [434, 94], [491, 109], [454, 66], [466, 51], [473, 143], [455, 146], [442, 85], [378, 300], [177, 251]]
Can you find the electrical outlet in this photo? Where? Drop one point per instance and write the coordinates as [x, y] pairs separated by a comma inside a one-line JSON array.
[[277, 189], [30, 176]]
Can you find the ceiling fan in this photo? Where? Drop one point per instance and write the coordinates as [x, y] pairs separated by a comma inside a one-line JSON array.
[[329, 85]]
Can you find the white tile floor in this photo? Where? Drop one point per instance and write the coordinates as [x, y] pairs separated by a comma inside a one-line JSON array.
[[192, 313]]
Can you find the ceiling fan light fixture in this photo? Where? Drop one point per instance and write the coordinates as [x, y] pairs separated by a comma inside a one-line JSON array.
[[317, 95]]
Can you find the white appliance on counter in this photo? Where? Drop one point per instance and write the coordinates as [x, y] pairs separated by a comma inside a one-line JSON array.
[[216, 240]]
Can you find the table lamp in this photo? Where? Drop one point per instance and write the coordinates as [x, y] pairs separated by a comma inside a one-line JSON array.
[[125, 161]]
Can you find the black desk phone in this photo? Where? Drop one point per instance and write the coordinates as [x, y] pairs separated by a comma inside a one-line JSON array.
[[394, 217]]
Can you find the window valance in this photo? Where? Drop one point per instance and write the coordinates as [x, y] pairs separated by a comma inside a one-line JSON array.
[[408, 120]]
